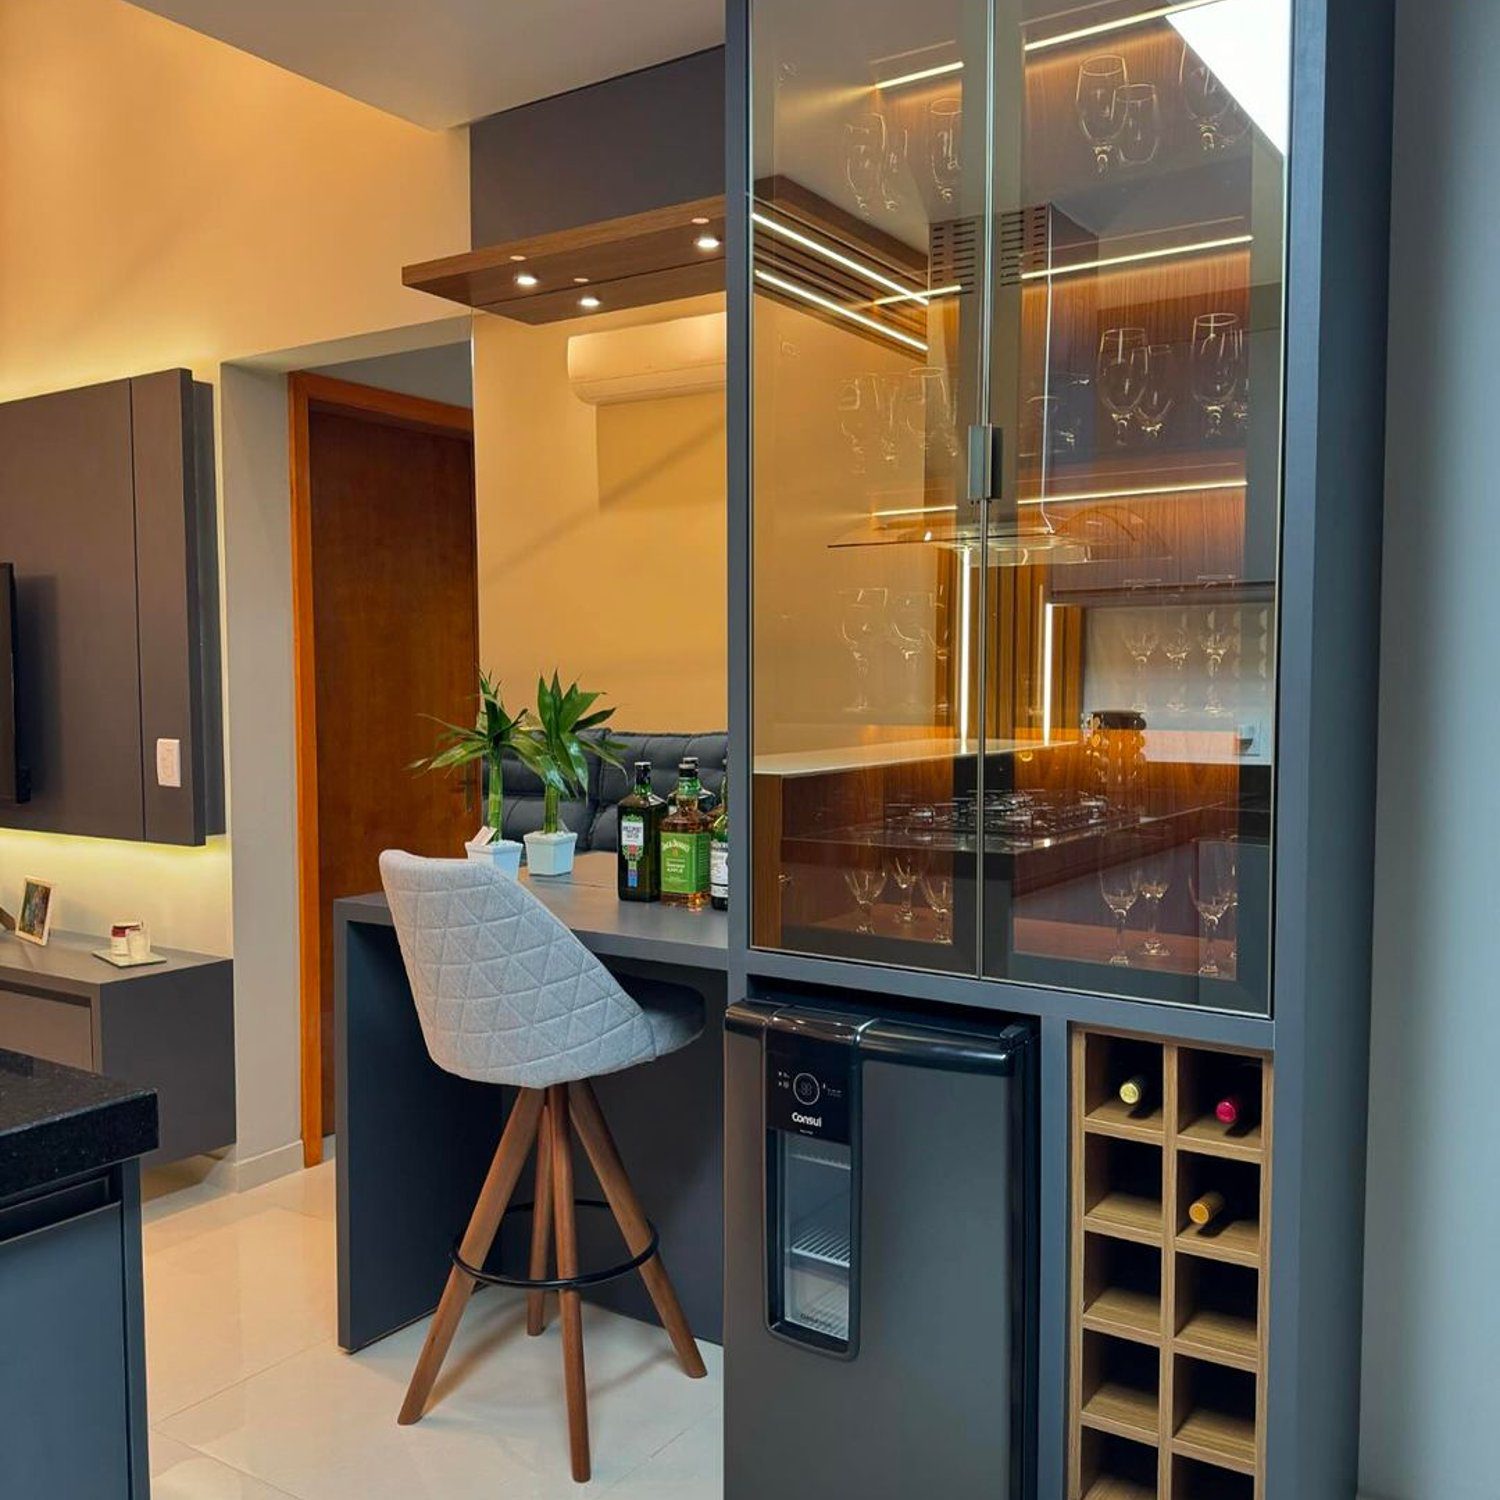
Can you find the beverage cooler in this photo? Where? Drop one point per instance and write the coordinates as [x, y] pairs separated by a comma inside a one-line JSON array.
[[880, 1279]]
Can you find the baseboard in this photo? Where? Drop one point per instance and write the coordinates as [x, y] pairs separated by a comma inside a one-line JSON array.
[[253, 1171]]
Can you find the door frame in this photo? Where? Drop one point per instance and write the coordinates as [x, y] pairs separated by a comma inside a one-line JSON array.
[[306, 393]]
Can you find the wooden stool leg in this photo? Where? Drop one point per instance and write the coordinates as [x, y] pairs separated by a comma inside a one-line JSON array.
[[494, 1198], [541, 1227], [567, 1265], [594, 1132]]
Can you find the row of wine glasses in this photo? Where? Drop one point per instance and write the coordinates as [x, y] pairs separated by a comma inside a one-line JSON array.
[[914, 621], [907, 875], [879, 413], [1122, 120], [1213, 885], [877, 155], [1139, 382], [1217, 633]]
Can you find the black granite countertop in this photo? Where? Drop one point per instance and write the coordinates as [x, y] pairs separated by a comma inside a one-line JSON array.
[[57, 1122]]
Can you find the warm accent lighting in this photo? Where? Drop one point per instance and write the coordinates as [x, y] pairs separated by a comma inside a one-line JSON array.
[[937, 291], [1121, 24], [829, 305], [518, 257], [580, 281], [589, 303], [526, 279], [700, 220], [707, 242], [920, 76], [1051, 273], [908, 511], [838, 258]]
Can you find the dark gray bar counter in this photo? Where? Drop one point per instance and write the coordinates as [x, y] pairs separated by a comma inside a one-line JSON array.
[[413, 1142]]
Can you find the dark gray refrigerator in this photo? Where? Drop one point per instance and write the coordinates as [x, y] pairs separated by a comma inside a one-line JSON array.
[[880, 1255]]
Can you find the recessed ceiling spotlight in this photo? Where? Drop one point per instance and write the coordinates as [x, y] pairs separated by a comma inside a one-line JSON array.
[[580, 281], [700, 221], [518, 257], [526, 279], [707, 242], [589, 303]]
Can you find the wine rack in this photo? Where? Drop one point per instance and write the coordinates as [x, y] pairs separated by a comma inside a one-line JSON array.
[[1168, 1316]]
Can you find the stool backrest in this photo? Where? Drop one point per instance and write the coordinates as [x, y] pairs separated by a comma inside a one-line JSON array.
[[505, 993]]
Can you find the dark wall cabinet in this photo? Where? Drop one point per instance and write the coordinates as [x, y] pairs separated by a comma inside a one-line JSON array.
[[107, 512]]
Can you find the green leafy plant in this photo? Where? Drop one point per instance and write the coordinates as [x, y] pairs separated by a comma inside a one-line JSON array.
[[493, 733], [554, 746]]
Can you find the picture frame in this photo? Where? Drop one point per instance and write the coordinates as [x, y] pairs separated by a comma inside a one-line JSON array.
[[34, 921]]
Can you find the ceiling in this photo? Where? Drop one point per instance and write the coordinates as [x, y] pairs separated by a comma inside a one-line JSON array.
[[446, 62]]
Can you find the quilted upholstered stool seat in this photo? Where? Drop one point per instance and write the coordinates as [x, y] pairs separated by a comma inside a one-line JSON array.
[[506, 994]]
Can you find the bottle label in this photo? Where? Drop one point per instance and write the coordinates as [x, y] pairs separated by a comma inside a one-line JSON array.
[[718, 870], [632, 836], [684, 863]]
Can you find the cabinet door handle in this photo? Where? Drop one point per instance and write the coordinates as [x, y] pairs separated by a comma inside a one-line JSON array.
[[986, 461]]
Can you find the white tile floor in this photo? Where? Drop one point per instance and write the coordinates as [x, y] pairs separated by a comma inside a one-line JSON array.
[[251, 1398]]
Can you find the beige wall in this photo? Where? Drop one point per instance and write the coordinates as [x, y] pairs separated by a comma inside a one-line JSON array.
[[601, 529], [166, 200]]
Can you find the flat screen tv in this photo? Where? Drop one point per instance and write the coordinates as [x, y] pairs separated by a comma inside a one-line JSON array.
[[14, 782]]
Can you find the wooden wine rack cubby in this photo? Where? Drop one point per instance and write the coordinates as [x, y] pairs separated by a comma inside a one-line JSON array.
[[1167, 1357]]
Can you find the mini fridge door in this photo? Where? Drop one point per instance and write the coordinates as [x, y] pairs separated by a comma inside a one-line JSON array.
[[879, 1257]]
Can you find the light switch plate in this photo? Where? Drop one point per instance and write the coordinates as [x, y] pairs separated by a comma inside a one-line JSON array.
[[169, 763]]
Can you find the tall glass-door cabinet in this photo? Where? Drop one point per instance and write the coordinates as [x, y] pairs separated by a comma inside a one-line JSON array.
[[1017, 362]]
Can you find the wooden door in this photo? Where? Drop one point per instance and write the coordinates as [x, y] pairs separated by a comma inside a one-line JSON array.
[[387, 635]]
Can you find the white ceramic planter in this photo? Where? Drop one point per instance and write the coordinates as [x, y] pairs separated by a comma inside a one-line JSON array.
[[550, 853], [503, 854]]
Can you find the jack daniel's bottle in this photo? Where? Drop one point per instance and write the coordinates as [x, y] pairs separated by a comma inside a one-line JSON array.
[[684, 843]]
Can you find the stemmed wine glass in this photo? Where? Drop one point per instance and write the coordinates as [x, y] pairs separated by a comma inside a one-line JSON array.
[[1140, 640], [864, 157], [1100, 108], [1156, 881], [856, 419], [1120, 886], [937, 891], [1212, 880], [1160, 393], [1124, 365], [1218, 365], [935, 629], [927, 408], [909, 616], [944, 127], [892, 165], [1216, 642], [865, 886], [1177, 646], [861, 623], [1139, 131], [904, 873], [1203, 96]]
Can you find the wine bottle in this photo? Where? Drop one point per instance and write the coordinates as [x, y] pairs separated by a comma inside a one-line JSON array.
[[638, 867], [1135, 1091], [718, 851], [1231, 1110], [1203, 1210]]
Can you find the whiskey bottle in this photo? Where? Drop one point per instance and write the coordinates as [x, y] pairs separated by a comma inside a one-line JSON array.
[[684, 844], [718, 851], [638, 869]]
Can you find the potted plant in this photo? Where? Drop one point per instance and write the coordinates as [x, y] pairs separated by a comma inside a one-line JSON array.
[[493, 733], [554, 748]]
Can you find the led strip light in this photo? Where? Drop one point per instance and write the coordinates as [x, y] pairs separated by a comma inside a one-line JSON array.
[[920, 76], [1104, 27], [1212, 485], [829, 305], [838, 258], [1202, 247]]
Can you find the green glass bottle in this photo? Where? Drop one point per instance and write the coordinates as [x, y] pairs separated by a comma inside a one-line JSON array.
[[638, 864], [718, 851], [684, 844]]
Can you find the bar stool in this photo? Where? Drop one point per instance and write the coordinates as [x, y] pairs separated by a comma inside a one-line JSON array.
[[506, 994]]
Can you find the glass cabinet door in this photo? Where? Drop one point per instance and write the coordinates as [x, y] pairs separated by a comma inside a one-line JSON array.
[[872, 176], [1129, 578]]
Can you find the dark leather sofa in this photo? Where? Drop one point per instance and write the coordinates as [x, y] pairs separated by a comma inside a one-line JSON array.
[[595, 818]]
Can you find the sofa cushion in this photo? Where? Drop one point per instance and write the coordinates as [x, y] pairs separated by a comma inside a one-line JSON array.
[[663, 751]]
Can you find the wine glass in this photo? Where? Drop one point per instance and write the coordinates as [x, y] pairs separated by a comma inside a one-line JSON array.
[[944, 128], [937, 891], [1211, 882], [1216, 641], [861, 624], [865, 886], [909, 615], [1100, 80], [935, 629], [1139, 132], [1160, 393], [927, 408], [1140, 640], [864, 157], [904, 872], [1177, 646], [1124, 364], [1203, 96], [892, 166], [1156, 881], [1218, 365], [1120, 886], [856, 419]]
